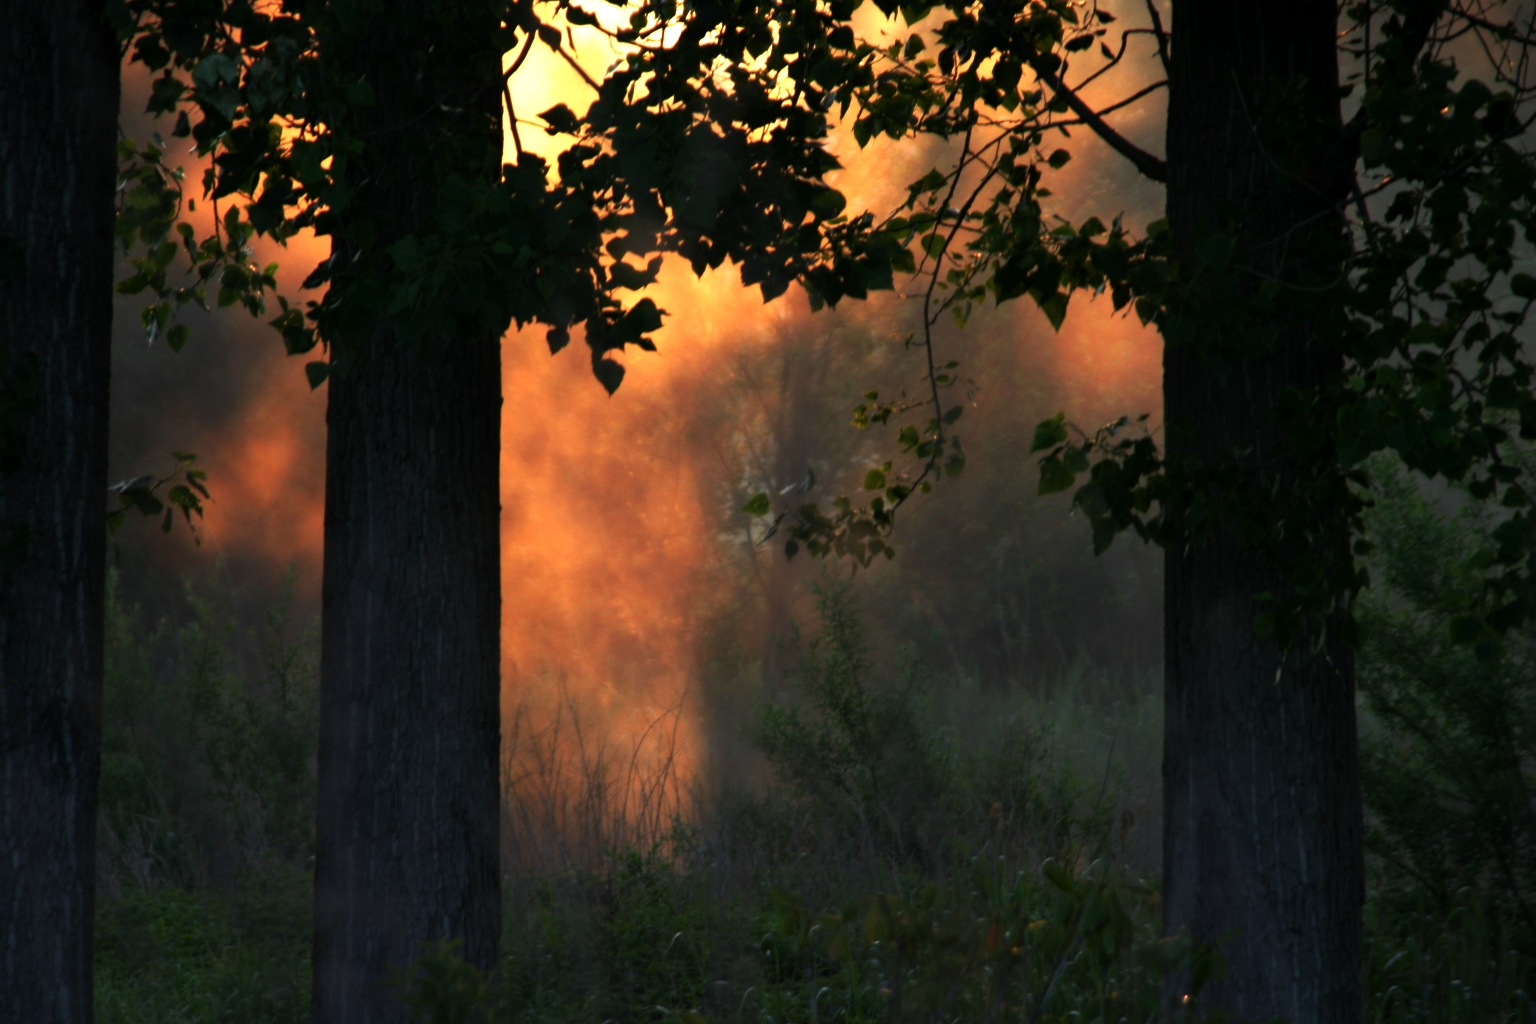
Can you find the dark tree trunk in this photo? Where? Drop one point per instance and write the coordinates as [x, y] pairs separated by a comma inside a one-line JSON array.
[[58, 167], [1262, 789], [406, 835]]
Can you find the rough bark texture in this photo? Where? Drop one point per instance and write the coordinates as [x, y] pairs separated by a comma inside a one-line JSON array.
[[407, 836], [58, 117], [1262, 816]]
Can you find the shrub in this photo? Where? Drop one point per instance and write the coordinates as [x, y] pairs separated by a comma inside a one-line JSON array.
[[1449, 745]]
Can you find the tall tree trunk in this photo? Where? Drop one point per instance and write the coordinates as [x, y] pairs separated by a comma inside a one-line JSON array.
[[406, 834], [1262, 842], [58, 168]]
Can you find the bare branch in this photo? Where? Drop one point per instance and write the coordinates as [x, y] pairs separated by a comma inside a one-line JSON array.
[[1132, 98], [1114, 61], [521, 56], [1162, 37], [565, 56], [1150, 166], [517, 139], [1506, 31]]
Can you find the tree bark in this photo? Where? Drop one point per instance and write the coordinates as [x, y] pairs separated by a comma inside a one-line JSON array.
[[1262, 842], [58, 168], [407, 827]]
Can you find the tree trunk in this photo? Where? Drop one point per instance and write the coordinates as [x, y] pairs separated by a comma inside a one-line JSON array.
[[1262, 842], [58, 168], [407, 827]]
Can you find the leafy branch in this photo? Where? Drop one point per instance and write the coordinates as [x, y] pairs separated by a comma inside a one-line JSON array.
[[187, 491]]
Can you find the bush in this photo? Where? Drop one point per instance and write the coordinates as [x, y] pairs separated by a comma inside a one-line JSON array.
[[1449, 748], [862, 760], [1448, 757]]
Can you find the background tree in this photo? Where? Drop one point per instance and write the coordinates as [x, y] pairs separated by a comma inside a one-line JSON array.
[[407, 835], [58, 111]]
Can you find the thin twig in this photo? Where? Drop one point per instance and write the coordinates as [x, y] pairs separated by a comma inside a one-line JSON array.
[[573, 63], [1139, 94], [517, 139], [1162, 36]]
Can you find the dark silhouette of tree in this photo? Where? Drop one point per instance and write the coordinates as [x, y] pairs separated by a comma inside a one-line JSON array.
[[406, 827], [1262, 807], [58, 117], [57, 172]]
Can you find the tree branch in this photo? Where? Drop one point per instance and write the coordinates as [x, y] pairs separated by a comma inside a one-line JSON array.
[[1150, 166], [1501, 32], [1162, 37], [561, 51], [1132, 98]]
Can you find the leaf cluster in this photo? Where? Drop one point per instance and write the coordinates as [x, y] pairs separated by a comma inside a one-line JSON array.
[[187, 491]]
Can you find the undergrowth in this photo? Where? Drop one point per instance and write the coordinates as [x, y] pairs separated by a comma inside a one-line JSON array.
[[207, 807], [909, 848]]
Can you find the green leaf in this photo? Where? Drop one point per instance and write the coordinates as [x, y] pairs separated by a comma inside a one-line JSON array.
[[625, 276], [1055, 308], [828, 203], [1057, 876], [874, 480], [758, 506], [316, 373], [1054, 475], [1049, 433]]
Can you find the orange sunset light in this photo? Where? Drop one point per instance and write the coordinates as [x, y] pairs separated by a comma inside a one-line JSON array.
[[607, 535]]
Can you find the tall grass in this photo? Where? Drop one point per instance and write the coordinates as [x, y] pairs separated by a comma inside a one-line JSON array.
[[892, 838], [572, 794]]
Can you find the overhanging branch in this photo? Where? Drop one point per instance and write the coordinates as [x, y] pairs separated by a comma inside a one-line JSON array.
[[1149, 165]]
